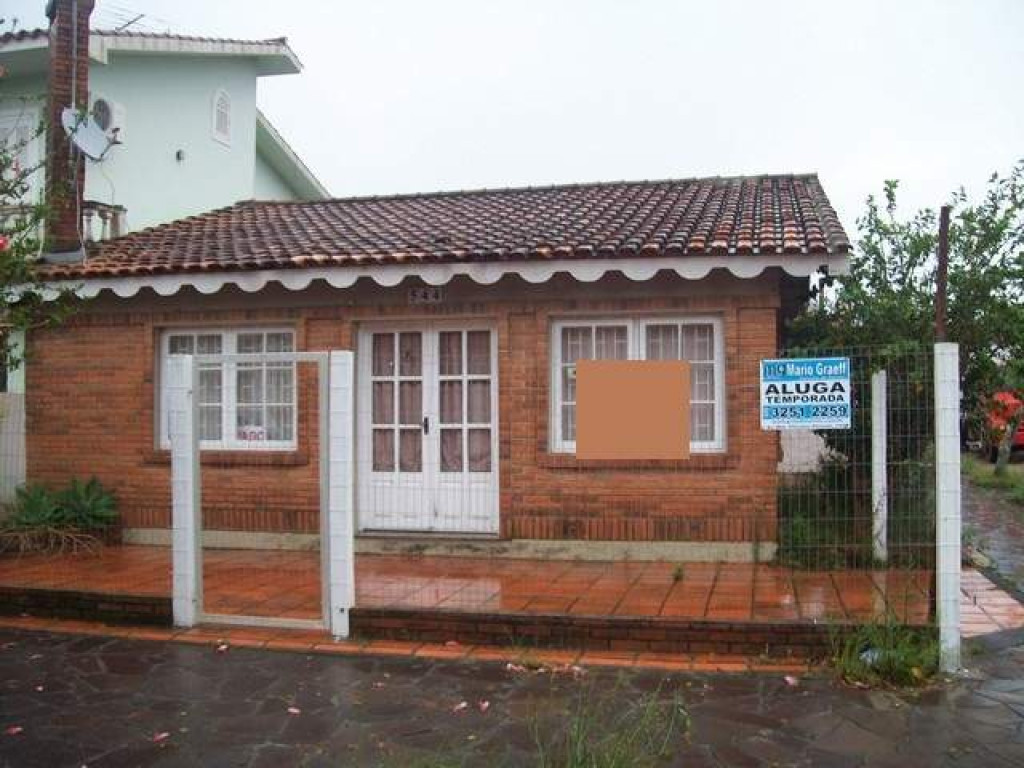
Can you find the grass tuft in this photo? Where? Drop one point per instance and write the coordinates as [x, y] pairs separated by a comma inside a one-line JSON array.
[[982, 474], [886, 655], [600, 732]]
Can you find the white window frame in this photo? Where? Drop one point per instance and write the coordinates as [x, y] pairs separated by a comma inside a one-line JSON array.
[[19, 124], [636, 335], [229, 401], [224, 137]]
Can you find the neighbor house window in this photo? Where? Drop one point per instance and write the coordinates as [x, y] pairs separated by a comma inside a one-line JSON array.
[[695, 339], [19, 140], [222, 117], [240, 404]]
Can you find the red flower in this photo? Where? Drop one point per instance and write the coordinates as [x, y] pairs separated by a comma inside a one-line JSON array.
[[5, 242]]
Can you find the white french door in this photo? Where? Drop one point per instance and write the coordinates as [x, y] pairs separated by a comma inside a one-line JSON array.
[[427, 431]]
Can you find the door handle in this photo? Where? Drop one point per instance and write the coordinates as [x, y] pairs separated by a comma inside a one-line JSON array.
[[426, 425]]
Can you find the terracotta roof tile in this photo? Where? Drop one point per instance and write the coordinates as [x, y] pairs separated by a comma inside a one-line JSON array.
[[42, 33], [714, 216], [23, 34]]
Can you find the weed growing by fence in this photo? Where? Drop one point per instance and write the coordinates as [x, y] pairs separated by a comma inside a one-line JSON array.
[[886, 653]]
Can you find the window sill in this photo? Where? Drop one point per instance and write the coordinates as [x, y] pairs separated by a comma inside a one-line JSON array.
[[237, 458], [698, 462]]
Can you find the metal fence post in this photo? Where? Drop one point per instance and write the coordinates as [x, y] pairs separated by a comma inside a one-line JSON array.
[[879, 464], [341, 492], [186, 572], [947, 501]]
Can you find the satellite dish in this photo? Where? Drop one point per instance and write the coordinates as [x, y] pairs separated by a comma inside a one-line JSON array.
[[85, 134]]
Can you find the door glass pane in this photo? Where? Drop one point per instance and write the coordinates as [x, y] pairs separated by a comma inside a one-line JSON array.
[[410, 349], [410, 402], [451, 450], [662, 342], [478, 352], [450, 344], [383, 354], [410, 450], [383, 450], [383, 402], [479, 402], [451, 402], [479, 450]]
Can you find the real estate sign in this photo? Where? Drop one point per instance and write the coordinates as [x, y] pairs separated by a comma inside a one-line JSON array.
[[806, 393]]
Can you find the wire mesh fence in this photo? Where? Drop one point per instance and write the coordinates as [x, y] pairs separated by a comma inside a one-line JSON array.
[[12, 448], [830, 510], [470, 495]]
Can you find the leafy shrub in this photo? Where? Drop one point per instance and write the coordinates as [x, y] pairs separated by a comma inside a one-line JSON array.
[[46, 521], [36, 506], [88, 505]]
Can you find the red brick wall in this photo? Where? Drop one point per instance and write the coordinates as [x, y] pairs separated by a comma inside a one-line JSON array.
[[68, 75], [92, 392]]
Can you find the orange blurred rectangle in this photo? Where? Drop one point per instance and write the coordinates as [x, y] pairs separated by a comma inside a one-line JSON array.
[[632, 409]]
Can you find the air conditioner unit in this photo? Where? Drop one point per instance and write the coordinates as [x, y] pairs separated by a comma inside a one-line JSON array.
[[110, 117]]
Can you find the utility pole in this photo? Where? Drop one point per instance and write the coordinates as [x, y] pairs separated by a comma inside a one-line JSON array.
[[943, 271]]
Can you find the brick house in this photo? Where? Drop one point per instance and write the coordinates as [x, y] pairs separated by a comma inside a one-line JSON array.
[[467, 312]]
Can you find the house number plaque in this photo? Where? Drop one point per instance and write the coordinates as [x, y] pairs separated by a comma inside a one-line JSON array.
[[427, 294]]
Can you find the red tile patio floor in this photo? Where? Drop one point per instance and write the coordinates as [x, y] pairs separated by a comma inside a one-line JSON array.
[[287, 584]]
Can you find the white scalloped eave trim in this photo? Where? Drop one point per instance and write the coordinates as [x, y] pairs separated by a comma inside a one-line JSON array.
[[485, 273]]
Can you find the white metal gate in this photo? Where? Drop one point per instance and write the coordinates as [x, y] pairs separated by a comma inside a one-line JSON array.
[[262, 579]]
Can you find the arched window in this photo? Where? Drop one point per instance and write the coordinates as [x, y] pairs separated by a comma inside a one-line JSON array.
[[222, 116]]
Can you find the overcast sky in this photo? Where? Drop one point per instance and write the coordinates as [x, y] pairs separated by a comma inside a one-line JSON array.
[[422, 95]]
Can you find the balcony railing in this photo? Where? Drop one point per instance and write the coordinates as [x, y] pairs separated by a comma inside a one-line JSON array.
[[100, 221]]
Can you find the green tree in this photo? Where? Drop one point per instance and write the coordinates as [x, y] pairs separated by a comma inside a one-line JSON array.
[[887, 300], [24, 303]]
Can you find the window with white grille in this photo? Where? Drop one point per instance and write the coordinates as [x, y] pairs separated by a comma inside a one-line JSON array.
[[222, 116], [240, 405], [697, 340]]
